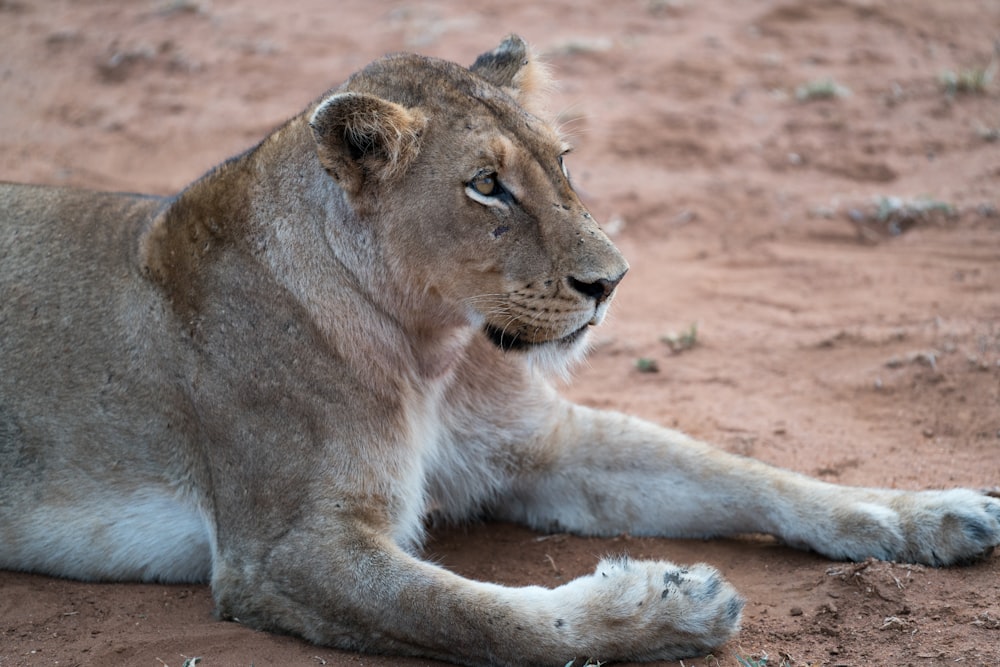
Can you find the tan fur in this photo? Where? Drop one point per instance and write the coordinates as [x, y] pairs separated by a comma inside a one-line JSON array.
[[273, 378]]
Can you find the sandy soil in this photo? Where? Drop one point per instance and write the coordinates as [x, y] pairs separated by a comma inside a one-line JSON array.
[[858, 344]]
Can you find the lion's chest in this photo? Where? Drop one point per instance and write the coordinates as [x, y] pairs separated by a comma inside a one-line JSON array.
[[424, 439]]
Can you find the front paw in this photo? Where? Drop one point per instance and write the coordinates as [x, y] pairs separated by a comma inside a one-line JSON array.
[[947, 527], [929, 527], [649, 610]]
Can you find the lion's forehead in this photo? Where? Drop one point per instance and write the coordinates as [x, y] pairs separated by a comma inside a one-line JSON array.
[[527, 150], [506, 148], [458, 99]]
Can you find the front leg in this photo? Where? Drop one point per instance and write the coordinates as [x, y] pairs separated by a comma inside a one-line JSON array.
[[348, 585], [601, 473]]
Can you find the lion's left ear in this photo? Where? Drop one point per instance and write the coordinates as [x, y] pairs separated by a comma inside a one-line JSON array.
[[514, 67], [360, 136]]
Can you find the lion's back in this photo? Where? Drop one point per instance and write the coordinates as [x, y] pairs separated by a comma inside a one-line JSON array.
[[68, 265], [74, 304], [45, 218]]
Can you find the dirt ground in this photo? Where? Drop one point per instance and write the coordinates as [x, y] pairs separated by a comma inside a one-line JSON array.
[[813, 185]]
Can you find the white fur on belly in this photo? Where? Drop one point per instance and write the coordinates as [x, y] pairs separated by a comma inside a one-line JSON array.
[[149, 535]]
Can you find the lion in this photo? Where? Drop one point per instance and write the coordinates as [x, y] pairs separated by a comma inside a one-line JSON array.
[[270, 380]]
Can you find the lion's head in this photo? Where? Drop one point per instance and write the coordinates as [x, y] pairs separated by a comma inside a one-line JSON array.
[[484, 216]]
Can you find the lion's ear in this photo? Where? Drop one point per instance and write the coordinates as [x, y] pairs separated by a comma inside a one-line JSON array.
[[360, 136], [514, 67]]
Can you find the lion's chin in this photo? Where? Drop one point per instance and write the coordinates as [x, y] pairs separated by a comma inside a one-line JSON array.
[[508, 342]]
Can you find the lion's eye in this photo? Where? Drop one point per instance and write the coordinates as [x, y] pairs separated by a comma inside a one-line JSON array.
[[562, 165], [486, 184]]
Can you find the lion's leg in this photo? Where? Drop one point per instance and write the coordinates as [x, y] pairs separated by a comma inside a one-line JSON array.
[[358, 590], [604, 473]]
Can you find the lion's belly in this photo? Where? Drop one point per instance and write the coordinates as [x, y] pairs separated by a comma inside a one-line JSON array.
[[147, 535]]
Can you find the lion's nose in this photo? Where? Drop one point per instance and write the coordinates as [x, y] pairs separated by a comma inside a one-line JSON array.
[[599, 289]]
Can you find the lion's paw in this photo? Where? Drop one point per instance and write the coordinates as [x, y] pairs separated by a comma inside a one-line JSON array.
[[948, 527], [929, 527], [646, 610]]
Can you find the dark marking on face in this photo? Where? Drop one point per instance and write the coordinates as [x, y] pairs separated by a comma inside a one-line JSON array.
[[500, 231], [512, 340], [506, 341]]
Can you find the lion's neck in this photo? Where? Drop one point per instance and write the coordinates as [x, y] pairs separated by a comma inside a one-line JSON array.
[[275, 206], [336, 265]]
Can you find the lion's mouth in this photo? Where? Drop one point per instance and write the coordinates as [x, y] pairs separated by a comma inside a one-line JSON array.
[[512, 341]]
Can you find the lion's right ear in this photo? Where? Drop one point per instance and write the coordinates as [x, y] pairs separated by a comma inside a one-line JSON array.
[[361, 136], [515, 67]]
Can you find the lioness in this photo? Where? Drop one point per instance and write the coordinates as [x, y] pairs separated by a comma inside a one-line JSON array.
[[270, 379]]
